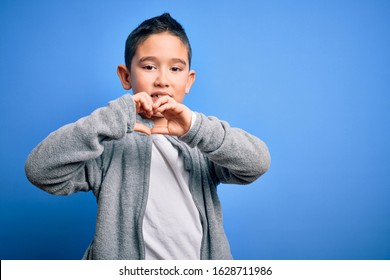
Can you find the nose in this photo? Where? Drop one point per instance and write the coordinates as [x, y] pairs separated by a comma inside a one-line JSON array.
[[161, 79]]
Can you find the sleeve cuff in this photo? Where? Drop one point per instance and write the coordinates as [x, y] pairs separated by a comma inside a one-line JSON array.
[[193, 119]]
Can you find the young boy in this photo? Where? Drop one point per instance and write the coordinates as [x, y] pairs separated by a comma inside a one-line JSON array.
[[152, 163]]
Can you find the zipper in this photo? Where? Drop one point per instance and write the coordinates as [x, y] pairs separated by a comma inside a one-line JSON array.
[[203, 220], [196, 202], [187, 154], [145, 199]]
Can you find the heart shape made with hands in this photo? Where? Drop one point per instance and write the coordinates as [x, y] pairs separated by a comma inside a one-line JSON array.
[[170, 117]]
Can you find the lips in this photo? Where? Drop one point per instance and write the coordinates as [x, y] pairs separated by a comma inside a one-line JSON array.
[[156, 95]]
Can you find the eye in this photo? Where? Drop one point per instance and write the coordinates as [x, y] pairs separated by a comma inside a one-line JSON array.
[[175, 69], [149, 67]]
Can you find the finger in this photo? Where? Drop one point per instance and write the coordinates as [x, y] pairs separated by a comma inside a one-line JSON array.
[[143, 103], [169, 108], [146, 102], [142, 128], [163, 100], [145, 108]]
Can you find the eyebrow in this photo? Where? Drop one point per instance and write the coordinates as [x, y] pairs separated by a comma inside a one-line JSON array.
[[154, 59]]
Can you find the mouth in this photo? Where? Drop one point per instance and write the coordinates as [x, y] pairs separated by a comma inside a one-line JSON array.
[[155, 96]]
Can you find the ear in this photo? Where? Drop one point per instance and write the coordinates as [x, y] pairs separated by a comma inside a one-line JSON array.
[[124, 76], [190, 81]]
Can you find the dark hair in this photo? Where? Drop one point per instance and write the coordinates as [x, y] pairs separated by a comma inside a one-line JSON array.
[[159, 24]]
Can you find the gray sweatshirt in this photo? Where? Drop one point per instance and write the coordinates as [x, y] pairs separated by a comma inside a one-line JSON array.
[[102, 153]]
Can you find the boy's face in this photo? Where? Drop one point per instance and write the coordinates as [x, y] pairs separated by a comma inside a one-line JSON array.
[[160, 67]]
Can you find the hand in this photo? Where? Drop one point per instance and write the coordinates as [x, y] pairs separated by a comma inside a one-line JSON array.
[[143, 105], [178, 117]]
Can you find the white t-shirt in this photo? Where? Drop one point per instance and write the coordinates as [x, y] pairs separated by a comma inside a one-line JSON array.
[[172, 227]]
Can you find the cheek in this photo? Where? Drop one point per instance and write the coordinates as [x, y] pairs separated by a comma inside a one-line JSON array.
[[181, 82], [140, 82]]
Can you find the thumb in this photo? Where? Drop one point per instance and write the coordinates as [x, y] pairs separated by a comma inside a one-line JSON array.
[[142, 128], [160, 130]]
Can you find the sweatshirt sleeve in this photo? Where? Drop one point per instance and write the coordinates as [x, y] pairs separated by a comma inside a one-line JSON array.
[[67, 161], [237, 156]]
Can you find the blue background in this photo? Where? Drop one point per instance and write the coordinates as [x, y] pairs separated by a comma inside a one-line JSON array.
[[310, 78]]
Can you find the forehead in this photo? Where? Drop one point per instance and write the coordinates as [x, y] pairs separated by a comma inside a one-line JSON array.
[[163, 45]]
